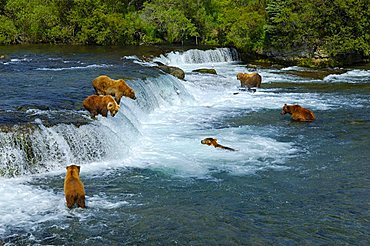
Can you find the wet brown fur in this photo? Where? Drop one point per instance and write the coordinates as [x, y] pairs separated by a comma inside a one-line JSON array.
[[249, 80], [101, 105], [73, 187], [298, 113], [213, 142], [104, 85]]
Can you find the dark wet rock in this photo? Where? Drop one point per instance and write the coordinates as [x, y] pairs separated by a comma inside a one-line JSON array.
[[24, 108], [159, 63], [175, 71], [252, 66], [315, 74], [20, 128], [205, 70], [252, 90]]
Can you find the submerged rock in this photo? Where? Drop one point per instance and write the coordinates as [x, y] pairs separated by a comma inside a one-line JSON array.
[[26, 107], [316, 74]]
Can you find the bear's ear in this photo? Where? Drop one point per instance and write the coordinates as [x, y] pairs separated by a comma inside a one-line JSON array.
[[110, 105], [78, 168]]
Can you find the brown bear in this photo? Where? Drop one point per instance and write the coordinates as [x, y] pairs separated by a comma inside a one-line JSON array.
[[213, 142], [298, 113], [101, 105], [104, 85], [73, 187], [249, 80]]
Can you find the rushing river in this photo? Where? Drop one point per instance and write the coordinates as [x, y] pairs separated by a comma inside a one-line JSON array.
[[149, 180]]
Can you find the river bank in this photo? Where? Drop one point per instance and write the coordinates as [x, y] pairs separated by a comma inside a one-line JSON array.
[[304, 58], [269, 57]]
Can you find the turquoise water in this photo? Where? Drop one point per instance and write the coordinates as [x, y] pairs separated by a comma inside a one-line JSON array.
[[148, 179]]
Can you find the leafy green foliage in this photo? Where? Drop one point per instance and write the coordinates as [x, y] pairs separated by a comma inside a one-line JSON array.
[[336, 27], [333, 27], [33, 18], [8, 31], [169, 22], [242, 23]]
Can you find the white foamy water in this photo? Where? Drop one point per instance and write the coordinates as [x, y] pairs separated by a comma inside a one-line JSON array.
[[23, 205], [17, 61], [173, 146], [74, 67], [352, 76], [198, 57], [160, 131]]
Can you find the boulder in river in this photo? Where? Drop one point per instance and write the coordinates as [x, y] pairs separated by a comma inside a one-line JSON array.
[[175, 71], [205, 70]]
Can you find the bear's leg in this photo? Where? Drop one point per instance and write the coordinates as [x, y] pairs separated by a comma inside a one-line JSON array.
[[70, 199], [118, 98], [297, 118], [81, 202], [98, 92], [104, 112], [93, 113], [309, 116]]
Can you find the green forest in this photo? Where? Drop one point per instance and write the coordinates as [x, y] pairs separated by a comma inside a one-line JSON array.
[[330, 27]]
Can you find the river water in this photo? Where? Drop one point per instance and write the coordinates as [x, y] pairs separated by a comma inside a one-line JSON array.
[[149, 180]]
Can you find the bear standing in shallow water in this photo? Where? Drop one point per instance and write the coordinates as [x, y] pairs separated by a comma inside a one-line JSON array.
[[298, 113], [104, 85], [73, 188], [249, 80], [101, 105]]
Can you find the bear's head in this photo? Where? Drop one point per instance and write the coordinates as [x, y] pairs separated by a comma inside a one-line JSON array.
[[289, 109], [243, 76], [129, 92], [209, 141], [73, 170], [113, 107], [126, 90]]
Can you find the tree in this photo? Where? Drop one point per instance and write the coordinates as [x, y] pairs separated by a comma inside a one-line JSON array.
[[170, 23], [335, 27], [241, 24], [349, 27], [33, 18], [8, 31]]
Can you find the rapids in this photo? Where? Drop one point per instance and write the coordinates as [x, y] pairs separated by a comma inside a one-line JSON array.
[[149, 180]]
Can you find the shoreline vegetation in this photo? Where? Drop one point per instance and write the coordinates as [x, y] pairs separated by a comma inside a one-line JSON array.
[[312, 33]]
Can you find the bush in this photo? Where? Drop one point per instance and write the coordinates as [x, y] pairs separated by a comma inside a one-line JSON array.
[[8, 31]]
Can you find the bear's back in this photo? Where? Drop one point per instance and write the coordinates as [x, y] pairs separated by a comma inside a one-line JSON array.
[[303, 113], [103, 82]]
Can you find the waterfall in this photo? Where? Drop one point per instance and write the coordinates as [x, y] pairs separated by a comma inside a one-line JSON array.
[[34, 147], [199, 56]]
